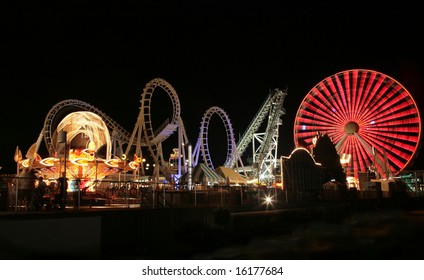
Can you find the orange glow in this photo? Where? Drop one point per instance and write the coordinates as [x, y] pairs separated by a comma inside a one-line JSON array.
[[81, 164], [133, 165], [50, 161]]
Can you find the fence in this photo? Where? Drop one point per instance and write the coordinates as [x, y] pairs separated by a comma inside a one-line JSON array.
[[130, 195]]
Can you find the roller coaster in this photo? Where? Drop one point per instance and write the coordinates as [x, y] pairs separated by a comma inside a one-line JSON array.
[[145, 138]]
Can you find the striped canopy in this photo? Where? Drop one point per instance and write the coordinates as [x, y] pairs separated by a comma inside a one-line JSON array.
[[231, 176], [203, 174]]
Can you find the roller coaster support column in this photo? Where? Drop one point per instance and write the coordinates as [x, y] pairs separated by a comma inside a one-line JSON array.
[[190, 169], [190, 175]]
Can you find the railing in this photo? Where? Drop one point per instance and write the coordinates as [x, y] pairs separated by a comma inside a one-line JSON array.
[[115, 194]]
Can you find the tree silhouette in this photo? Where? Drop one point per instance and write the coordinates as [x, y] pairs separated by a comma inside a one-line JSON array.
[[325, 153]]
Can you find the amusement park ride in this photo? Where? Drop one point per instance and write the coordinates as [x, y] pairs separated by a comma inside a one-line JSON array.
[[372, 120]]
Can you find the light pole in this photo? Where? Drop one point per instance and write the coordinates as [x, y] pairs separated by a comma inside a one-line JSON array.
[[61, 150], [17, 158], [124, 158]]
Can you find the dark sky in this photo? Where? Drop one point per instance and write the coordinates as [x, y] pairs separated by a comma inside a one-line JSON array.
[[214, 54]]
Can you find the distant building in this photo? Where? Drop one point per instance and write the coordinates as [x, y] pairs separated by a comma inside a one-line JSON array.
[[302, 177]]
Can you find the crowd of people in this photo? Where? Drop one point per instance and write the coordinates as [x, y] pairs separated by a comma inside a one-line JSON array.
[[35, 194]]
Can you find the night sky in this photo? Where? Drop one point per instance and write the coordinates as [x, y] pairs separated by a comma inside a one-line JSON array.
[[228, 55]]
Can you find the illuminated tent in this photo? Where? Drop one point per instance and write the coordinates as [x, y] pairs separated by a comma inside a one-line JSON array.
[[204, 175], [232, 177]]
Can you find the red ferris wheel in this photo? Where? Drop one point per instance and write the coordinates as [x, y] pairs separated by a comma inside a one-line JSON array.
[[368, 115]]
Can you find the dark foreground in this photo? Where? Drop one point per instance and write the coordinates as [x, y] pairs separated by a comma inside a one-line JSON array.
[[379, 234], [338, 231]]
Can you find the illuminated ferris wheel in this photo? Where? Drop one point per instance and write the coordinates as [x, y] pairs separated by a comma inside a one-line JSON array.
[[369, 116]]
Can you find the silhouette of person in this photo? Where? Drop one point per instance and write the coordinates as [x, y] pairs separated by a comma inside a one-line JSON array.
[[40, 191], [76, 192], [63, 186], [26, 189]]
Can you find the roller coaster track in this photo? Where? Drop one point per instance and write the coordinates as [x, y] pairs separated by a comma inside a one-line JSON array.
[[144, 131], [273, 102], [264, 156], [202, 142]]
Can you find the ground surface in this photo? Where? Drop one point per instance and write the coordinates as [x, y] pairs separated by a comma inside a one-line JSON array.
[[376, 234]]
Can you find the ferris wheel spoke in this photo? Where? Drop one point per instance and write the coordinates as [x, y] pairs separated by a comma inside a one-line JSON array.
[[363, 143], [341, 142], [360, 98]]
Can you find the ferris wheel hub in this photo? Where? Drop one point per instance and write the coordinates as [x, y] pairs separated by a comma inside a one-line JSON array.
[[351, 128]]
